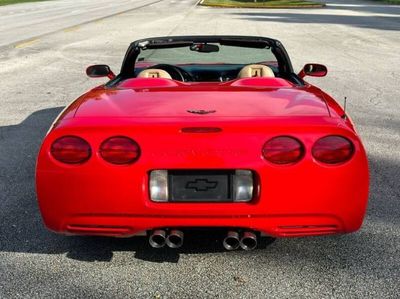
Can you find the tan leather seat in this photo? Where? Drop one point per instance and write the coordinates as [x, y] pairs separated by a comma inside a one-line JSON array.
[[154, 73], [256, 70]]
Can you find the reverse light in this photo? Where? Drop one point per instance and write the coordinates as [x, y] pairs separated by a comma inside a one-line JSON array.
[[119, 150], [71, 150], [283, 150], [243, 186], [333, 149], [159, 185]]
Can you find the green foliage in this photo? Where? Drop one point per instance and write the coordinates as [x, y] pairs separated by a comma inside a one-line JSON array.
[[390, 1], [5, 2]]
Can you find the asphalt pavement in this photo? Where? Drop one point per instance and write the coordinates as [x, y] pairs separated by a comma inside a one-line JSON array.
[[26, 21], [359, 42]]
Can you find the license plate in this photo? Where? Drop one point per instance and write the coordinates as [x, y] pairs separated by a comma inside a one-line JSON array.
[[200, 186]]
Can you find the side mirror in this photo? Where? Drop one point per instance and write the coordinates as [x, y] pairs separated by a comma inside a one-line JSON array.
[[313, 70], [100, 70]]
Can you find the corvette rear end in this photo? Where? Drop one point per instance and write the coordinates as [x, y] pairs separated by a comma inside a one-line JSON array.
[[158, 157]]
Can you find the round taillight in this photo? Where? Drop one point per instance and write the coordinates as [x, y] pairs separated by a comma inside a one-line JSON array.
[[120, 150], [71, 150], [283, 150], [333, 150]]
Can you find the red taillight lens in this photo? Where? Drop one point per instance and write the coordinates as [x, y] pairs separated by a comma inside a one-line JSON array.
[[333, 150], [120, 150], [283, 150], [71, 150]]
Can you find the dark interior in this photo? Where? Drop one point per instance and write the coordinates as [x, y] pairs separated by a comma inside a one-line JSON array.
[[208, 72]]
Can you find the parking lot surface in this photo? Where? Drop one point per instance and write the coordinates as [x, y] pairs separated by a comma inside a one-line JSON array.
[[358, 41]]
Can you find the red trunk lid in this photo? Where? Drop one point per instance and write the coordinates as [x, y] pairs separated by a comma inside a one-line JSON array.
[[175, 102]]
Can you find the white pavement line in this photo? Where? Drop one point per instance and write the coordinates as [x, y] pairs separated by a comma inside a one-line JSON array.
[[28, 39], [26, 43]]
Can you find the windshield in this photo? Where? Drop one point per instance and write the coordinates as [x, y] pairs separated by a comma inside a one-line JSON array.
[[208, 54], [216, 58]]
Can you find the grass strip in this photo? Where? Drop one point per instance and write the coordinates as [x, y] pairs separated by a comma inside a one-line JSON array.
[[263, 3], [6, 2]]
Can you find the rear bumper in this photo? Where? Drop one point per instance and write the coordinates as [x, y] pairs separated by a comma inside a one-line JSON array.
[[288, 204], [87, 203]]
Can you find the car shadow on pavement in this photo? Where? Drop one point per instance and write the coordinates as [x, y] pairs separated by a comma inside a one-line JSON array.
[[21, 227], [22, 230], [365, 6], [390, 23]]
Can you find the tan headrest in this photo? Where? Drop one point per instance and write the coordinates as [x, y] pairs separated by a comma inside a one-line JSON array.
[[256, 70], [154, 73]]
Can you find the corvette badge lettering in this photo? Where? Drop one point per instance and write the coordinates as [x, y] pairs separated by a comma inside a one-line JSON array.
[[201, 111]]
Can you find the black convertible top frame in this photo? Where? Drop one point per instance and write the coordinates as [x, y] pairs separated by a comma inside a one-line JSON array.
[[127, 69]]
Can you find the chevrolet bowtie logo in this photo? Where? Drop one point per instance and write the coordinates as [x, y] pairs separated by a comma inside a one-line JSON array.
[[201, 185]]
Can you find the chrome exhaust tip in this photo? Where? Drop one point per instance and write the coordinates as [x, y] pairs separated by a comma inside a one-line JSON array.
[[174, 239], [157, 238], [248, 241], [231, 241]]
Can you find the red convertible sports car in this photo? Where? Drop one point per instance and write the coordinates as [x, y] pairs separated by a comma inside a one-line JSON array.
[[203, 132]]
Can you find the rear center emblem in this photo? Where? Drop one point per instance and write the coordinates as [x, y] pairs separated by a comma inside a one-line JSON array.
[[201, 111], [201, 185]]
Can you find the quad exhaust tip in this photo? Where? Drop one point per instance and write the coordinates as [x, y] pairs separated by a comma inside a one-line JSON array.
[[175, 239], [157, 238], [248, 241], [231, 241]]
